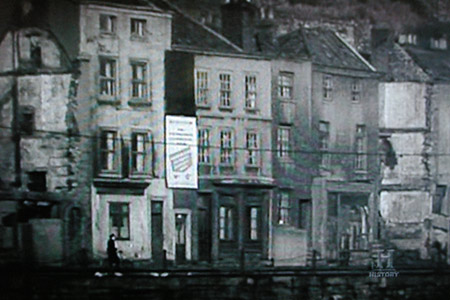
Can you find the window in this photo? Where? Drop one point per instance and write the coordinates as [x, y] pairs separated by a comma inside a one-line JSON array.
[[438, 199], [304, 214], [327, 87], [138, 27], [35, 53], [140, 145], [360, 145], [107, 76], [180, 225], [253, 215], [107, 23], [333, 204], [408, 39], [324, 136], [226, 223], [37, 181], [356, 90], [201, 88], [285, 84], [109, 151], [252, 148], [250, 92], [203, 146], [226, 147], [119, 220], [26, 120], [283, 141], [284, 208], [225, 90], [139, 88], [438, 43]]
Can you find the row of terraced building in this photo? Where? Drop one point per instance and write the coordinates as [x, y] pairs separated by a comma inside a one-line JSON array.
[[305, 148]]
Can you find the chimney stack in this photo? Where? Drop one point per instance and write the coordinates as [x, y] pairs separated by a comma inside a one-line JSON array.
[[238, 22]]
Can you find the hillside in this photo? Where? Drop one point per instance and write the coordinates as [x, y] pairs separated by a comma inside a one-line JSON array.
[[352, 18]]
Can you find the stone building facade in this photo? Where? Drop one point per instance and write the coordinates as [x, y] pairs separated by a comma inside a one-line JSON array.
[[119, 47], [229, 93], [345, 127], [37, 170]]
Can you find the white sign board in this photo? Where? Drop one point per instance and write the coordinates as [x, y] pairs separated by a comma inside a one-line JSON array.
[[181, 152]]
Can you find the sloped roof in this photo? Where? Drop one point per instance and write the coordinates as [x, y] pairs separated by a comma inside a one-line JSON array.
[[396, 63], [188, 33], [435, 62], [292, 46], [327, 49], [142, 3], [323, 47]]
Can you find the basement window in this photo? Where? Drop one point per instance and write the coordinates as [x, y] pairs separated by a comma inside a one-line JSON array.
[[37, 181]]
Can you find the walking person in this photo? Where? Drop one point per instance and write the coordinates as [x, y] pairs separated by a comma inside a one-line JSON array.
[[113, 258]]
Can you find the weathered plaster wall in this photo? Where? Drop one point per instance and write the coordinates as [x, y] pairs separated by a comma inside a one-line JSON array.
[[405, 206], [344, 115], [47, 241], [294, 172], [441, 98], [406, 187], [124, 116], [289, 246], [410, 168], [402, 105], [45, 150], [139, 245]]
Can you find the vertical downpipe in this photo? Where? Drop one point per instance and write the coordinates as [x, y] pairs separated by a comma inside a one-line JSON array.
[[15, 106]]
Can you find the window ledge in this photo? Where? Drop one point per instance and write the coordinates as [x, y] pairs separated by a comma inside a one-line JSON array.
[[122, 183], [252, 167], [108, 175], [107, 34], [139, 102], [138, 38], [361, 172], [252, 110], [140, 176], [226, 108], [224, 165], [286, 99], [108, 100], [203, 106]]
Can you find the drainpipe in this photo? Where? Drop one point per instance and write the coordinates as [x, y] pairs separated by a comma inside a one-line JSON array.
[[15, 107]]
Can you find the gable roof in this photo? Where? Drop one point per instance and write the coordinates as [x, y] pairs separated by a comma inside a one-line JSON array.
[[328, 49], [323, 46], [396, 63], [189, 34], [292, 46], [436, 63]]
